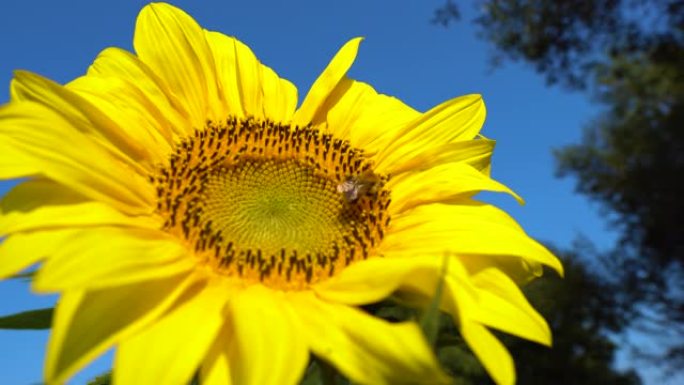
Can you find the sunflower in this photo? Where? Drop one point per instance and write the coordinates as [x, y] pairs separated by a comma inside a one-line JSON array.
[[192, 217]]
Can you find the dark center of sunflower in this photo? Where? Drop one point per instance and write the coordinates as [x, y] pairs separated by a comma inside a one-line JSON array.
[[287, 206]]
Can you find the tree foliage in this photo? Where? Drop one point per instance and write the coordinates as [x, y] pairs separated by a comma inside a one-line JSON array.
[[629, 56]]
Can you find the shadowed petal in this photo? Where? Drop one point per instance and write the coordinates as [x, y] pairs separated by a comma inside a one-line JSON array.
[[41, 204], [111, 256], [364, 348], [87, 324], [326, 82], [172, 44], [269, 348], [170, 351]]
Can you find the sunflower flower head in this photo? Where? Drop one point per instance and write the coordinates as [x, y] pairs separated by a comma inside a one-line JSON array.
[[193, 217], [270, 203]]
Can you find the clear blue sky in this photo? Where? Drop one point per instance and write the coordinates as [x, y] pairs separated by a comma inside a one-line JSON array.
[[403, 55]]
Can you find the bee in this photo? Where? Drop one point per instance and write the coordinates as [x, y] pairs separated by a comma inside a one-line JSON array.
[[356, 186]]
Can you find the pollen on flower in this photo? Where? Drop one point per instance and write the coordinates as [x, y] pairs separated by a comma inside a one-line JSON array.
[[286, 206]]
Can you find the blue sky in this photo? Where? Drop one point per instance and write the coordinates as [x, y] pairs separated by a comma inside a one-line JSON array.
[[403, 55]]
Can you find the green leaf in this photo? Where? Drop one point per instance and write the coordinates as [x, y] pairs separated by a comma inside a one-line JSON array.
[[429, 321], [32, 319]]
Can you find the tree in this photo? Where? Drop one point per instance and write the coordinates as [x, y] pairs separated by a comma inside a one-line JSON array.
[[629, 56]]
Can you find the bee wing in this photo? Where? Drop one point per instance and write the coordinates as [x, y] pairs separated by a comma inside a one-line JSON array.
[[350, 188]]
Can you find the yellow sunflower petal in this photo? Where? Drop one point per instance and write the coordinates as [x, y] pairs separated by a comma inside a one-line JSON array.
[[364, 348], [354, 110], [81, 114], [249, 80], [172, 44], [465, 229], [128, 109], [216, 367], [520, 270], [326, 82], [502, 305], [374, 279], [490, 351], [21, 250], [170, 351], [343, 106], [228, 81], [280, 96], [152, 96], [41, 204], [442, 183], [477, 153], [87, 324], [110, 256], [49, 143], [465, 307], [382, 111], [15, 164], [247, 87], [455, 120], [269, 348], [414, 280]]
